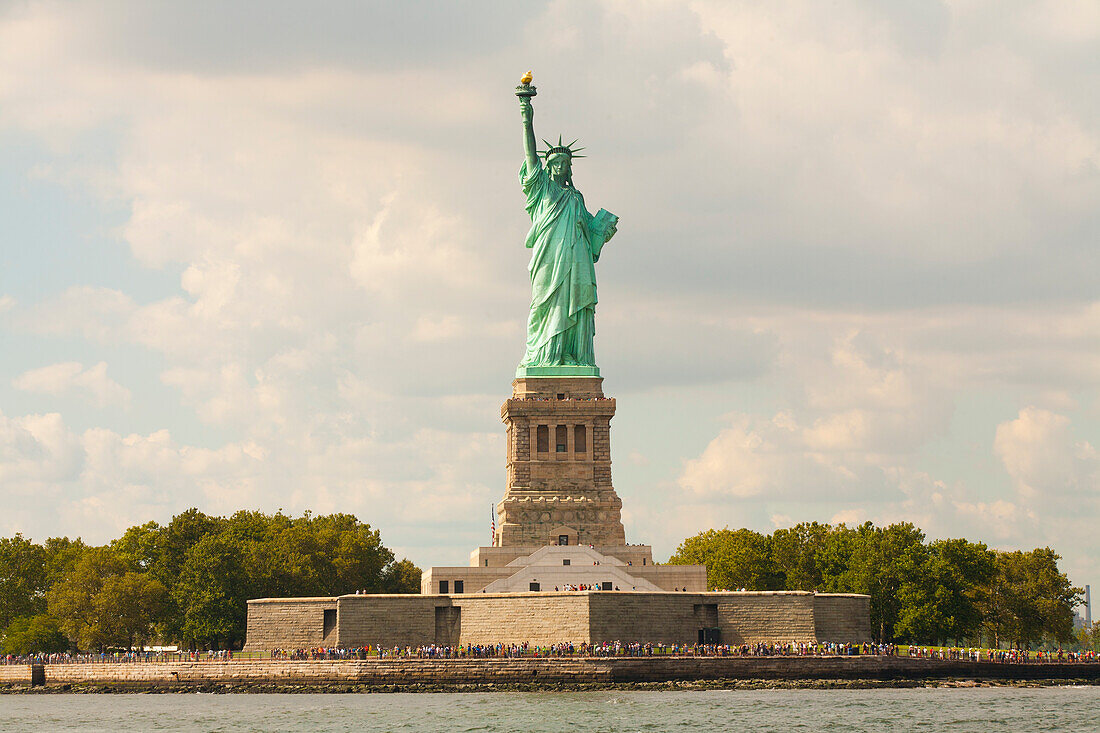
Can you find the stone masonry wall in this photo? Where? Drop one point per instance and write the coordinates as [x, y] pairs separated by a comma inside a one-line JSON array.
[[549, 489], [540, 618], [673, 577], [550, 617], [543, 670], [519, 466], [15, 674], [753, 617], [601, 453], [842, 618], [397, 620], [743, 618], [547, 618], [644, 617], [372, 671], [287, 623], [481, 619]]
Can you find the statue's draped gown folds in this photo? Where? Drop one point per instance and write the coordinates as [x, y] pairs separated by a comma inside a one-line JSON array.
[[565, 241]]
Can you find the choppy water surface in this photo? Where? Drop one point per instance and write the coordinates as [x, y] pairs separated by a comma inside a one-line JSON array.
[[979, 710]]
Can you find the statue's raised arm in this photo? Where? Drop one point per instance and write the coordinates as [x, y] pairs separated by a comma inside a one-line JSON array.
[[526, 92]]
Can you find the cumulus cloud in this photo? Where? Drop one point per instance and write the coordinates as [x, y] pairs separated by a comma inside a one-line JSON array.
[[58, 379], [58, 479], [1044, 459], [36, 449], [862, 418], [774, 458]]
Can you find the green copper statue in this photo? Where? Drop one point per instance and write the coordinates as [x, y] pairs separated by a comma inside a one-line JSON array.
[[565, 241]]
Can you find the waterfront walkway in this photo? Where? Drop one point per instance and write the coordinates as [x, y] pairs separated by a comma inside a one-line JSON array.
[[571, 651]]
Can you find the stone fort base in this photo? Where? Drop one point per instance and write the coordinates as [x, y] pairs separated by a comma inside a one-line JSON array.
[[549, 618]]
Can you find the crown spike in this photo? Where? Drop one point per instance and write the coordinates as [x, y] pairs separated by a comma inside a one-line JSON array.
[[560, 148]]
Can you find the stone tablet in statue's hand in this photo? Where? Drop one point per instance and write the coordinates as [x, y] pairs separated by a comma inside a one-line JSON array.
[[606, 224]]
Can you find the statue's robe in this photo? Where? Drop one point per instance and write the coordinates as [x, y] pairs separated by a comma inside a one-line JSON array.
[[565, 241]]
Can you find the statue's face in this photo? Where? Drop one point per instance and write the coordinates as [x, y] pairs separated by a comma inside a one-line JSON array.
[[560, 167]]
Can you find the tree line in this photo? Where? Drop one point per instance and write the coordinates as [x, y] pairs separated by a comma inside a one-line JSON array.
[[922, 592], [186, 582]]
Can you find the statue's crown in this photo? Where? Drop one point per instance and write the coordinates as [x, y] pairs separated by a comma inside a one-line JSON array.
[[569, 150]]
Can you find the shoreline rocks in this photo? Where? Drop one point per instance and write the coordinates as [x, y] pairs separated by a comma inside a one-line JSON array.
[[521, 687], [535, 674]]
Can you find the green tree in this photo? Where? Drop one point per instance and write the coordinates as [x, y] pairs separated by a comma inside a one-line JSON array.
[[734, 559], [1090, 638], [61, 556], [1029, 598], [1053, 594], [797, 552], [190, 580], [401, 577], [185, 531], [887, 564], [38, 634], [22, 579], [142, 547], [74, 599], [834, 558], [129, 606], [212, 593], [359, 560], [923, 609], [968, 570]]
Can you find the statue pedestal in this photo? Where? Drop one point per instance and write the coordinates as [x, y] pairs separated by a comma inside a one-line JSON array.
[[559, 487]]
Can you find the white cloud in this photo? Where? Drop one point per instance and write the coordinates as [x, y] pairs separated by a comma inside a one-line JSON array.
[[36, 450], [1000, 520], [861, 418], [770, 458], [59, 379], [851, 517], [1043, 459], [97, 483]]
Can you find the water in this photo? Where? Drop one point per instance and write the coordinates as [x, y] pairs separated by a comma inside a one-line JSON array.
[[977, 710]]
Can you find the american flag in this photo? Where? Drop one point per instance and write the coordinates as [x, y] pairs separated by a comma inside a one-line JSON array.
[[492, 526]]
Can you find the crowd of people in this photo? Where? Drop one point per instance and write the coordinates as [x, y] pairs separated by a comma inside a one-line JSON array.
[[120, 657], [637, 649], [1003, 656], [569, 649], [532, 398]]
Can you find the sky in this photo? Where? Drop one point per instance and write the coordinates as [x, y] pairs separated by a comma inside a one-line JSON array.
[[269, 255]]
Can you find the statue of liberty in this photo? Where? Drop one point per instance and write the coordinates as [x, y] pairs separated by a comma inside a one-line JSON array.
[[566, 242]]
